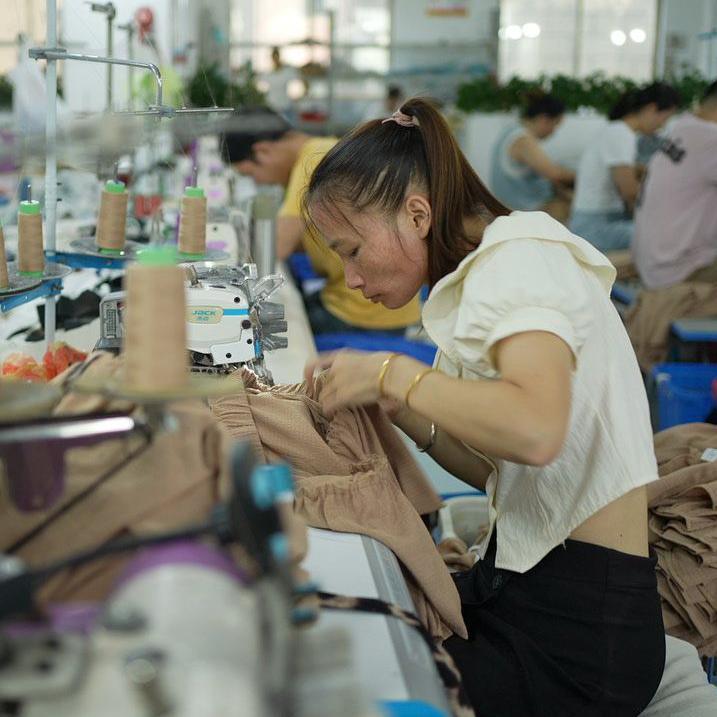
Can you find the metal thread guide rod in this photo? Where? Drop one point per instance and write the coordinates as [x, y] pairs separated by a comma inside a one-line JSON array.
[[110, 11], [58, 53], [51, 163], [129, 29], [51, 53]]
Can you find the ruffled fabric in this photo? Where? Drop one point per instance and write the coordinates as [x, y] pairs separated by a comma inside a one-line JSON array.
[[353, 474]]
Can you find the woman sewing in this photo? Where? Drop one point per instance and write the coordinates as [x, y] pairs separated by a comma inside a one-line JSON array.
[[535, 397]]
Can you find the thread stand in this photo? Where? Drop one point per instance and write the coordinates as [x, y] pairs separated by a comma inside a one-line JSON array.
[[43, 290], [86, 246]]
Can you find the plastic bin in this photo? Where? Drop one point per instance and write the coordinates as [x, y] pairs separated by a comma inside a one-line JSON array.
[[683, 392], [464, 517]]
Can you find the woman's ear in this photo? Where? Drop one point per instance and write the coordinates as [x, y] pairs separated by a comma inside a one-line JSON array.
[[418, 210]]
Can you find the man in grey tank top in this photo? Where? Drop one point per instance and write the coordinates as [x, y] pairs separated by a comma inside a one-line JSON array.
[[523, 175]]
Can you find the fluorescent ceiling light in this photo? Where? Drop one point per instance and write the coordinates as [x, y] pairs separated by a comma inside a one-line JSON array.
[[618, 37], [531, 29], [637, 34]]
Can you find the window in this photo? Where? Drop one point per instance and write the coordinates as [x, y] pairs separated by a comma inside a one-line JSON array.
[[360, 30], [25, 17], [577, 37]]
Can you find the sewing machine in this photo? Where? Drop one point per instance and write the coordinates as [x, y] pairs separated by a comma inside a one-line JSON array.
[[230, 320], [186, 631]]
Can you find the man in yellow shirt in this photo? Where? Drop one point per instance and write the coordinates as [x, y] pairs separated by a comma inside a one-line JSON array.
[[289, 160]]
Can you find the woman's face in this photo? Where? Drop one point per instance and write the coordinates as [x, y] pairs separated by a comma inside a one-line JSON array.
[[387, 261]]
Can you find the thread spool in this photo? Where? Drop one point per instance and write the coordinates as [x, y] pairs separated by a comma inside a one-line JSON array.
[[193, 223], [112, 221], [4, 280], [155, 345], [30, 256]]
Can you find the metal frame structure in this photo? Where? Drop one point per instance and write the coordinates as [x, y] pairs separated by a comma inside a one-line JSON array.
[[52, 54]]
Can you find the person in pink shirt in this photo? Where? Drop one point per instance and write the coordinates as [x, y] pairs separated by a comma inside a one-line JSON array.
[[676, 216]]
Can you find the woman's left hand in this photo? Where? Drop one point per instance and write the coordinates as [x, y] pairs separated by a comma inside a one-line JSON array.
[[352, 378]]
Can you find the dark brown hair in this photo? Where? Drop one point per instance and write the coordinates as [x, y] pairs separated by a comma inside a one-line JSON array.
[[664, 96], [542, 103], [375, 164]]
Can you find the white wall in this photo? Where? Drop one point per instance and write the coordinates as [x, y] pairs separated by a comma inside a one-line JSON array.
[[411, 24]]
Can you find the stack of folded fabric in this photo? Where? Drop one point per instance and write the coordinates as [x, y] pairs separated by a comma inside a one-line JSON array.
[[683, 532]]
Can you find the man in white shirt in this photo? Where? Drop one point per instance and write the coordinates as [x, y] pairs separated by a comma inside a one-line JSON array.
[[676, 218], [607, 182]]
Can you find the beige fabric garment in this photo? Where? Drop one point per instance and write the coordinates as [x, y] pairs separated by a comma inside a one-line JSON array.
[[624, 266], [456, 555], [648, 321], [353, 474], [683, 533], [173, 482]]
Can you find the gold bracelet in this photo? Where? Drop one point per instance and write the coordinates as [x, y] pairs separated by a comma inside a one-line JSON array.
[[416, 380], [382, 373]]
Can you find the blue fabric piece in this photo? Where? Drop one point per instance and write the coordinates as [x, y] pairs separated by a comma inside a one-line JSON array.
[[301, 267], [376, 341], [606, 231]]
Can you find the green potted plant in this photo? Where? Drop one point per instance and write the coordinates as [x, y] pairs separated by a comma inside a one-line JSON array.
[[209, 85]]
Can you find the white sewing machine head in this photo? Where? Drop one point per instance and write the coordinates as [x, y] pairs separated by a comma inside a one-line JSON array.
[[230, 321]]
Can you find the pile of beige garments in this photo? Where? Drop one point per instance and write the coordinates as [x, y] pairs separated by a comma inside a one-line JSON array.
[[683, 532]]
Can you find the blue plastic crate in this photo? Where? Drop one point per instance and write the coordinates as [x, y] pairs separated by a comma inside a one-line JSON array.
[[684, 392], [376, 341]]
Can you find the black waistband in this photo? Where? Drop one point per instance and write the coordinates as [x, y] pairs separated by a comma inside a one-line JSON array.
[[590, 563]]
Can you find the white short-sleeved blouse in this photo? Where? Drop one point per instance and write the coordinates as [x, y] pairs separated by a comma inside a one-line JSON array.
[[531, 274]]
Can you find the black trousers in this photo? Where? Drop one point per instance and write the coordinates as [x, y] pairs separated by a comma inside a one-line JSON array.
[[579, 634]]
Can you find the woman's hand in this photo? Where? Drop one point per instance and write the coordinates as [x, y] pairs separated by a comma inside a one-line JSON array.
[[352, 380]]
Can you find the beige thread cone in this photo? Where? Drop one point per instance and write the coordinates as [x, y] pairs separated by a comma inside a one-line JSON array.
[[112, 221], [30, 256], [155, 345], [193, 225], [4, 280]]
